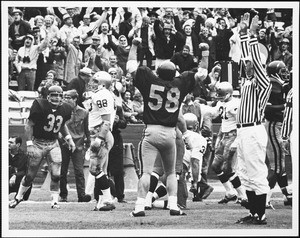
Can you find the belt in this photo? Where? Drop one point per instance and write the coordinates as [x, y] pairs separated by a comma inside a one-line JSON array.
[[229, 133], [248, 124]]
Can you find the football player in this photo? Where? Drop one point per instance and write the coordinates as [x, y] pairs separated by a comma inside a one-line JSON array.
[[279, 75], [101, 118], [163, 94], [224, 161], [46, 119]]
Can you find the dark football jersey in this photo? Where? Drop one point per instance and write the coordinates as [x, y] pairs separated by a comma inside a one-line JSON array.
[[162, 99], [48, 121]]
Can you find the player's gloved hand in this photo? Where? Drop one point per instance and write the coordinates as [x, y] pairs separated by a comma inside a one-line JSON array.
[[136, 41], [186, 136], [203, 46]]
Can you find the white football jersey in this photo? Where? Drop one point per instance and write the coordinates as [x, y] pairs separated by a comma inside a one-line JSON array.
[[102, 103], [228, 111], [199, 144]]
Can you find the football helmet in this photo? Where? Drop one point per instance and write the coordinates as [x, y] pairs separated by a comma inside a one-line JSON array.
[[224, 91], [55, 95], [278, 68], [166, 70], [103, 78], [191, 121]]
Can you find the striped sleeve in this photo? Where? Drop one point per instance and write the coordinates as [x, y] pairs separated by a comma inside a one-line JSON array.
[[245, 46], [263, 80], [288, 115]]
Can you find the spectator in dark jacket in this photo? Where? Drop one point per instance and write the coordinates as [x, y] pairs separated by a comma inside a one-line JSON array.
[[165, 42], [18, 29], [184, 60], [71, 11]]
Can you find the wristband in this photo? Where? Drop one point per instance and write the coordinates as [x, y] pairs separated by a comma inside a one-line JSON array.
[[29, 142], [205, 53], [99, 139], [68, 137]]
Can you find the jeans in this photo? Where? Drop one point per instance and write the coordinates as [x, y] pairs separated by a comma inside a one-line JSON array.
[[26, 79]]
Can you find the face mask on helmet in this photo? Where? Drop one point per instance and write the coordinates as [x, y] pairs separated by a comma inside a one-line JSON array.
[[104, 79], [278, 69], [191, 121], [284, 74], [224, 91], [55, 95]]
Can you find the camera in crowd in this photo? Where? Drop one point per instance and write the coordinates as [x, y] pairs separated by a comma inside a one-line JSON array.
[[26, 59]]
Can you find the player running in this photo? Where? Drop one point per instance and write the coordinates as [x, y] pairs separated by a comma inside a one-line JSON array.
[[46, 120]]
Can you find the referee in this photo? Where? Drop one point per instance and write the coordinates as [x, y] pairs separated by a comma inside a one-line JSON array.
[[251, 134]]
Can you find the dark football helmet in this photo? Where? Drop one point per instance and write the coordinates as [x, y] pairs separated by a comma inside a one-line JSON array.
[[278, 68], [167, 70], [55, 95]]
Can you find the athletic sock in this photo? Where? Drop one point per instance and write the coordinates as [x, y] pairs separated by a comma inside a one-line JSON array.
[[22, 190], [260, 201], [172, 202], [251, 200]]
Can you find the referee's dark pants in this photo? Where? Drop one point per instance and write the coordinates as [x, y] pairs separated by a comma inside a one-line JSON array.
[[115, 165]]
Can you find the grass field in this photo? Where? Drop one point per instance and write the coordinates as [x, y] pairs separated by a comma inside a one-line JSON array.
[[203, 218]]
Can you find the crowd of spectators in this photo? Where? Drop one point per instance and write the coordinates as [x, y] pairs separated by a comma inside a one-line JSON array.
[[66, 46]]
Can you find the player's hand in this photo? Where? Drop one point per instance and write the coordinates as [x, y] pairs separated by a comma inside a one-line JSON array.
[[71, 145], [136, 41], [12, 180], [244, 24], [254, 25], [186, 136], [203, 46]]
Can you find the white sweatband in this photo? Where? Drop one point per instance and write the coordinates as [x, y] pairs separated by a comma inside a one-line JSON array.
[[98, 140], [205, 53], [68, 137], [131, 66], [29, 142]]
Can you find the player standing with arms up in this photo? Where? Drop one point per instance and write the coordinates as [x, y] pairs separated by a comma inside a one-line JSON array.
[[163, 95], [46, 119], [252, 137]]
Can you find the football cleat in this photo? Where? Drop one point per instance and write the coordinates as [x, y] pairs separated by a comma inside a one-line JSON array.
[[261, 221], [63, 199], [207, 192], [177, 212], [137, 214], [227, 199], [14, 203], [107, 207], [85, 198], [288, 201], [246, 220], [55, 206]]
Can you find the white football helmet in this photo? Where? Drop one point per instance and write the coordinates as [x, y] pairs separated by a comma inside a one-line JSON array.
[[103, 78], [224, 91], [55, 95], [191, 121]]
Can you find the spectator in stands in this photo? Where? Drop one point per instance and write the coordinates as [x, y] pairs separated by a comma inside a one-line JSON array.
[[127, 106], [18, 29], [146, 48], [49, 26], [47, 83], [165, 42], [284, 54], [205, 36], [183, 60], [105, 65], [90, 53], [78, 128], [105, 38], [86, 32], [125, 27], [68, 31], [222, 40], [71, 11], [213, 79], [58, 56], [115, 159], [74, 59], [26, 62], [121, 51], [80, 84], [138, 106], [17, 165]]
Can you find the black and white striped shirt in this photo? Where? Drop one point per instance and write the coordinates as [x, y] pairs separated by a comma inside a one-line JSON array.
[[288, 116], [256, 91]]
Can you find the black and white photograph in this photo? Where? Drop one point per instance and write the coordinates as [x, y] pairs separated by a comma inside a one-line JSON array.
[[150, 118]]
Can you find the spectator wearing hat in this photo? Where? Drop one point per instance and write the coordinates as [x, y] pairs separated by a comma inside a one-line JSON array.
[[146, 48], [166, 41], [183, 60], [26, 62], [68, 31], [18, 29], [80, 84], [57, 56], [152, 15], [90, 53], [71, 11], [78, 128], [284, 54], [86, 32], [74, 59]]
